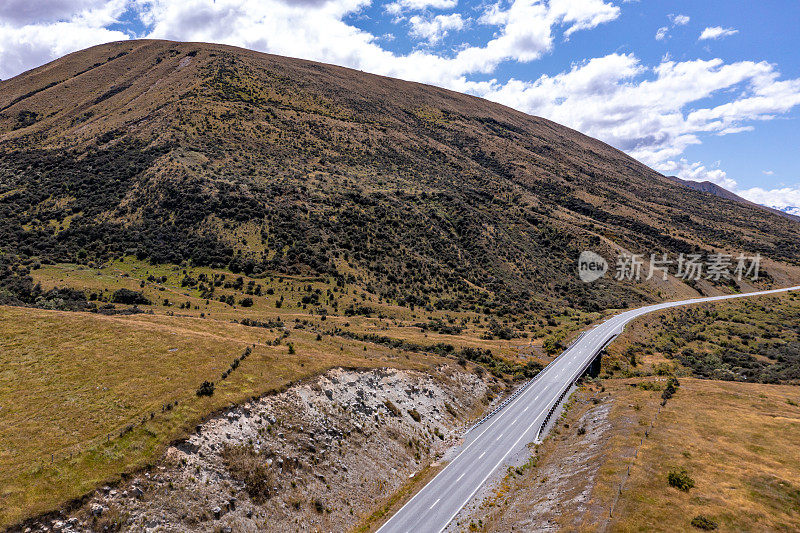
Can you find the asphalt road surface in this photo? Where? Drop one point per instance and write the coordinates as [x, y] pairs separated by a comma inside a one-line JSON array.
[[487, 446]]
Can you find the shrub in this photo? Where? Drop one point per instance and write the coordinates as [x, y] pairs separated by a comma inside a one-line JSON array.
[[680, 479], [670, 389], [246, 302], [206, 389], [413, 413], [129, 297], [702, 522]]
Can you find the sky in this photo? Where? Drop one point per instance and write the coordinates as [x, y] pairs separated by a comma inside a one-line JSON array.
[[702, 90]]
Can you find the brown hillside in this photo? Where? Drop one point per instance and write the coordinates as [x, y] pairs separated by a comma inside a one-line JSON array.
[[229, 157]]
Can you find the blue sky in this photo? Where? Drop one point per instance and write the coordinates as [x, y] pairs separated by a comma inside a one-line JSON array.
[[703, 90]]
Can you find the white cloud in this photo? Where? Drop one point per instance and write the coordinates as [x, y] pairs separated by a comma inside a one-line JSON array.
[[310, 29], [676, 20], [25, 12], [679, 20], [767, 172], [786, 198], [525, 32], [651, 113], [698, 172], [716, 32], [435, 29], [61, 27], [582, 14], [399, 6]]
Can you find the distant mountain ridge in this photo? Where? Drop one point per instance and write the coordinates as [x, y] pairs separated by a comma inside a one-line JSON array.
[[216, 155], [712, 188]]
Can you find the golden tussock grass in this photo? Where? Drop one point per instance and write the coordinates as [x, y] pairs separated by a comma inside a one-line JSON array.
[[737, 441], [71, 383]]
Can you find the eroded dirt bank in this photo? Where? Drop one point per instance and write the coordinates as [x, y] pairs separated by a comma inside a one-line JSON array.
[[322, 456]]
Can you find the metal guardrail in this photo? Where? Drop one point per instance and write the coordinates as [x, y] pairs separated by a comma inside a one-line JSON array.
[[505, 402], [521, 389], [569, 385]]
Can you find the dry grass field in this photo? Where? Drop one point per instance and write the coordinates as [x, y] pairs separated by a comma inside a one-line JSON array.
[[736, 441]]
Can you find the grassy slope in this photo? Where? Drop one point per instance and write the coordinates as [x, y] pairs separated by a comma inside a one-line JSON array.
[[191, 149], [746, 340]]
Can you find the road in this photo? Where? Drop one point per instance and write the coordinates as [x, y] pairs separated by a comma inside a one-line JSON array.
[[487, 446]]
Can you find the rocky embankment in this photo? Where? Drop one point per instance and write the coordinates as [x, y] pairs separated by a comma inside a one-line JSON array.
[[322, 456]]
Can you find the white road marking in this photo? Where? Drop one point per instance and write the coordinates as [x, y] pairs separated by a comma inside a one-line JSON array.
[[434, 504], [459, 477], [481, 455]]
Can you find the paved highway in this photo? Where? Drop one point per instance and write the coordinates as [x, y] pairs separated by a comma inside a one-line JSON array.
[[487, 446]]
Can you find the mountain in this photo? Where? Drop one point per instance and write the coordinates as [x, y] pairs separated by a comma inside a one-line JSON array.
[[712, 188], [215, 155]]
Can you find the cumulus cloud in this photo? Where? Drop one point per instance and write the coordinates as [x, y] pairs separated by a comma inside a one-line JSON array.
[[24, 12], [716, 32], [525, 31], [312, 29], [661, 34], [435, 29], [33, 34], [785, 198], [651, 112], [698, 172], [582, 14]]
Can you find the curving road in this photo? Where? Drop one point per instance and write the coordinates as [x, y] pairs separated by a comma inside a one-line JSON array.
[[488, 445]]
